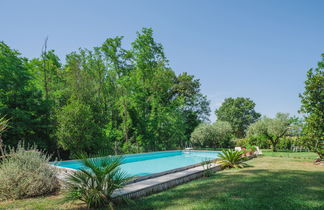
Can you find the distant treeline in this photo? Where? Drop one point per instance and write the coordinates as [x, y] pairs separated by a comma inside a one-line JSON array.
[[107, 98]]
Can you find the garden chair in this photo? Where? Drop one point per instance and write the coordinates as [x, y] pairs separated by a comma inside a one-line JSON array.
[[258, 151]]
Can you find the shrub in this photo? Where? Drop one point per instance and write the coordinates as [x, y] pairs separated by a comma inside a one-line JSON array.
[[95, 183], [231, 159], [26, 173], [207, 164], [260, 141], [241, 142], [218, 134]]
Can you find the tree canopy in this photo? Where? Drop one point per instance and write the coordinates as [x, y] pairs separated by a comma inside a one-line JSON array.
[[239, 112], [216, 135], [108, 97], [312, 106], [272, 128]]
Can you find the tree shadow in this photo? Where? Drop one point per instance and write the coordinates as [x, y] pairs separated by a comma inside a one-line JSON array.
[[246, 189]]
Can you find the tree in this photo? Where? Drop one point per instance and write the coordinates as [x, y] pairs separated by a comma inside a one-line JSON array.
[[218, 134], [77, 131], [272, 128], [22, 103], [239, 112], [313, 107], [195, 106], [152, 109], [123, 100]]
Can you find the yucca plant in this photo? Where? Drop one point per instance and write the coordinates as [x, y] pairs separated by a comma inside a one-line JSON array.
[[231, 159], [95, 183]]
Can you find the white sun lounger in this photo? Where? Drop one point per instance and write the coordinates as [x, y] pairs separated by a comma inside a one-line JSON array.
[[238, 149]]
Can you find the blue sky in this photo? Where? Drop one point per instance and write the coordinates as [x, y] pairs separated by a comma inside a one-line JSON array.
[[256, 49]]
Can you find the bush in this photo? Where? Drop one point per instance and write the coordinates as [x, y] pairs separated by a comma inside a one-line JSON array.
[[287, 142], [26, 173], [231, 159], [96, 183], [218, 134], [260, 141], [242, 142]]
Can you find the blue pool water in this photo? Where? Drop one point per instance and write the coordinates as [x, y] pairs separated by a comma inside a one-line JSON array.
[[154, 162]]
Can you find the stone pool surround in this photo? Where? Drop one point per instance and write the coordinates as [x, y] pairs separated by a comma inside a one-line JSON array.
[[153, 183]]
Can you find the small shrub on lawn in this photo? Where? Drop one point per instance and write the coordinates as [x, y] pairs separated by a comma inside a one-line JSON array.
[[231, 159], [26, 173], [207, 164], [95, 183]]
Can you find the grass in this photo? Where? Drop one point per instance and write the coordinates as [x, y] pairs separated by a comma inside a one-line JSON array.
[[270, 182], [296, 155]]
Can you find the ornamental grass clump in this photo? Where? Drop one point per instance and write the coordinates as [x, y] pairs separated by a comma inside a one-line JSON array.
[[26, 173], [231, 159]]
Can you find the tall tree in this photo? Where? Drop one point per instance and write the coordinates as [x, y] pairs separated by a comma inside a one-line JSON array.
[[105, 97], [152, 82], [272, 128], [22, 103], [47, 75], [195, 108], [239, 112], [313, 107], [84, 100]]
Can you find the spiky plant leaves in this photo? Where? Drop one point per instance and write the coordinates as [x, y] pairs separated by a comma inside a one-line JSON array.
[[232, 159], [95, 183]]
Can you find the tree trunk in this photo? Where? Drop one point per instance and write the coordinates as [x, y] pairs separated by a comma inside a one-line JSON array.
[[274, 147]]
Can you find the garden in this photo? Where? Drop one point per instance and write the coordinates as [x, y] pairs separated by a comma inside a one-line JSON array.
[[105, 103]]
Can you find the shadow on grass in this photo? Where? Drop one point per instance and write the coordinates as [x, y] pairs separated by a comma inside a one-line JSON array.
[[244, 189]]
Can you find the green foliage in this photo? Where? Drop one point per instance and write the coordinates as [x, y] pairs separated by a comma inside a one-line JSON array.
[[242, 142], [196, 106], [76, 130], [3, 125], [271, 128], [26, 173], [22, 103], [259, 140], [95, 183], [231, 159], [207, 164], [239, 112], [106, 97], [3, 128], [313, 106], [218, 134]]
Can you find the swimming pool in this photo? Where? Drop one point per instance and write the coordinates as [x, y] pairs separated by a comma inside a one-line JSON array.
[[154, 162]]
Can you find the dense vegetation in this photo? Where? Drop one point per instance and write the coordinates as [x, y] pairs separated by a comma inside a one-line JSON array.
[[105, 98], [26, 173], [273, 129], [130, 100], [216, 135], [313, 106], [239, 112]]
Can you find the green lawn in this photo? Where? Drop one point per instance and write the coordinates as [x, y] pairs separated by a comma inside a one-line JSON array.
[[269, 183], [296, 155]]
